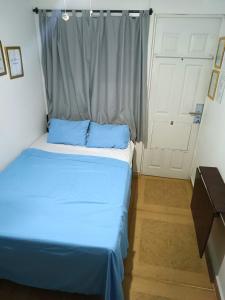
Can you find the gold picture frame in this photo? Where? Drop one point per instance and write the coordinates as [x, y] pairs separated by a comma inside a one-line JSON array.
[[3, 70], [220, 53], [213, 84], [14, 61]]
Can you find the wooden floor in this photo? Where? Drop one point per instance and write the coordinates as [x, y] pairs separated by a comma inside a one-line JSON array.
[[163, 262]]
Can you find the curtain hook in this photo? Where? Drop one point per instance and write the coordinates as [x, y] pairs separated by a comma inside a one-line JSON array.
[[91, 11], [65, 15]]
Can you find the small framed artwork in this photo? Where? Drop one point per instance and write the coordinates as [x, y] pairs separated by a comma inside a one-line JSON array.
[[213, 84], [15, 63], [2, 61], [220, 53]]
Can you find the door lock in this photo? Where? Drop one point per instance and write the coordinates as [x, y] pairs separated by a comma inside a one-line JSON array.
[[197, 114]]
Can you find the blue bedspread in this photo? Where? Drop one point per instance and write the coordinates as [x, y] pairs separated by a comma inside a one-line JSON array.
[[63, 222]]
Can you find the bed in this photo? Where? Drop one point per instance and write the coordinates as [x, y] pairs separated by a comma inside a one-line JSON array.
[[63, 218]]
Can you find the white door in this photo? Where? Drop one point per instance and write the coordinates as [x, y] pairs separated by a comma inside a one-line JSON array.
[[182, 61]]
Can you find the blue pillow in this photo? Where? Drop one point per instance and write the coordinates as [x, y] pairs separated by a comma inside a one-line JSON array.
[[108, 136], [68, 132]]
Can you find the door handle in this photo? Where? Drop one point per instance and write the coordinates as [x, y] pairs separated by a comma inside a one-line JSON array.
[[193, 113], [197, 114]]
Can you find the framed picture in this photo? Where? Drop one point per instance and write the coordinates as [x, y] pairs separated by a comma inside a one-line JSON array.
[[2, 61], [14, 60], [220, 53], [213, 84]]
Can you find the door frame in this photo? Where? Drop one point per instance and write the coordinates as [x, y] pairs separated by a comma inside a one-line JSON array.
[[151, 48]]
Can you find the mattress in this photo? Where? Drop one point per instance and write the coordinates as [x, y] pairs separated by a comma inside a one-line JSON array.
[[64, 221], [121, 154]]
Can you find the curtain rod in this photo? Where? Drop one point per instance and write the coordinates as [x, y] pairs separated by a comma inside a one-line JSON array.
[[36, 10]]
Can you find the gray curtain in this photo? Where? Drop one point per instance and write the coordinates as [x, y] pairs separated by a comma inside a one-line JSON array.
[[96, 68]]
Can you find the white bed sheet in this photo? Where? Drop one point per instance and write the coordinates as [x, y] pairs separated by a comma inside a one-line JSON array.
[[121, 154]]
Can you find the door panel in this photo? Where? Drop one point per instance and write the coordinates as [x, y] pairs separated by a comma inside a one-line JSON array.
[[187, 36], [165, 76], [195, 74], [168, 161], [189, 88], [180, 79], [156, 158], [198, 43], [170, 42], [164, 135], [177, 160]]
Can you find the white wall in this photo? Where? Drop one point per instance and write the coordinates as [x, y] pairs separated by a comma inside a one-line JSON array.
[[210, 151], [188, 6], [159, 6], [22, 110], [96, 4]]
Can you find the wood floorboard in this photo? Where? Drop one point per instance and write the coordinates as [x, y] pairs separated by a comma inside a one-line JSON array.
[[162, 262]]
